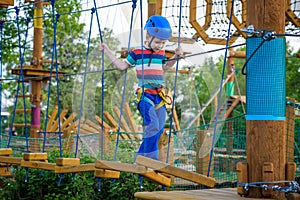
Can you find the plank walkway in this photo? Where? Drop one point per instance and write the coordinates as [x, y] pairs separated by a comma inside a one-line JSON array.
[[205, 194]]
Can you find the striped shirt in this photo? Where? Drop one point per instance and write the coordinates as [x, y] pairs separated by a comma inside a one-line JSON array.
[[148, 65]]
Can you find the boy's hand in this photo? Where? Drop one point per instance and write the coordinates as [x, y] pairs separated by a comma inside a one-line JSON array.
[[103, 46], [178, 51]]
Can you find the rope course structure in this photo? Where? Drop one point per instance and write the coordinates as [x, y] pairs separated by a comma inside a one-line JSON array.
[[192, 152]]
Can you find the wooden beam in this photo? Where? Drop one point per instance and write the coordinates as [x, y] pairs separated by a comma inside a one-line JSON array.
[[118, 166], [129, 115], [137, 169], [110, 119], [104, 173], [38, 165], [10, 160], [67, 161], [6, 3], [68, 121], [75, 168], [99, 120], [35, 156], [175, 171], [52, 118], [124, 125], [5, 151], [157, 177], [5, 171], [88, 128], [61, 116], [93, 125]]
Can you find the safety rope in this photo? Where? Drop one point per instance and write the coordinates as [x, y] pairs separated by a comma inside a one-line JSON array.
[[293, 186], [84, 82], [140, 177], [1, 50], [220, 93], [175, 84], [20, 79], [124, 82], [54, 21], [115, 69]]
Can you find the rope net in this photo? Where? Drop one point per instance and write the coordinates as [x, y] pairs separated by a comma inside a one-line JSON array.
[[191, 142]]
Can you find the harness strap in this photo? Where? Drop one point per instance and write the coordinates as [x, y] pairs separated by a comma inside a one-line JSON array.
[[166, 99]]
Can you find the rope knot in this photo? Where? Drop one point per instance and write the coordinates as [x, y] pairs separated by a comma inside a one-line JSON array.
[[52, 2], [17, 10], [2, 22], [57, 17], [134, 3], [93, 10]]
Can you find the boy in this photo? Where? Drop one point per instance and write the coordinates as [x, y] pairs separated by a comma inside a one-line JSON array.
[[150, 63]]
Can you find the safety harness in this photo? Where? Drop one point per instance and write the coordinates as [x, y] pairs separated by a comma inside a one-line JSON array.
[[165, 94]]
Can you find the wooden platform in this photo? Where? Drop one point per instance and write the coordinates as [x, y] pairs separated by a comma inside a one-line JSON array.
[[215, 194]]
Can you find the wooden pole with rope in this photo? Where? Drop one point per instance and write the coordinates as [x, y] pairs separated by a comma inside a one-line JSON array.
[[266, 139]]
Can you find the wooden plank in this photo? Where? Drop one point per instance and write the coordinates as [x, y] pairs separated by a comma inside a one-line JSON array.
[[232, 106], [75, 168], [117, 166], [104, 173], [68, 121], [175, 171], [206, 105], [293, 196], [123, 122], [137, 169], [157, 177], [88, 128], [72, 126], [5, 151], [5, 171], [35, 156], [21, 125], [110, 119], [6, 3], [129, 115], [215, 194], [67, 161], [52, 118], [22, 110], [175, 118], [99, 120], [93, 125], [38, 165], [83, 131], [10, 160], [55, 125]]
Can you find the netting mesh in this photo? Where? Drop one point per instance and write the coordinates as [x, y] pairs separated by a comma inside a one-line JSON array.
[[190, 147]]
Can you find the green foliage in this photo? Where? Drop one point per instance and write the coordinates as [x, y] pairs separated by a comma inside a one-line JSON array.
[[293, 77], [44, 185]]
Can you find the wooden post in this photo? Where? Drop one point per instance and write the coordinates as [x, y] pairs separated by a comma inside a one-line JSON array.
[[266, 139], [36, 84], [230, 92], [204, 141], [154, 7]]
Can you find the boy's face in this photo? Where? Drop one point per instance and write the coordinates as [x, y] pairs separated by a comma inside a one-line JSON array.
[[156, 44]]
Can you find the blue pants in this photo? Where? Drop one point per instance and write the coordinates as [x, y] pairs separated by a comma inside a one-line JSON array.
[[154, 121]]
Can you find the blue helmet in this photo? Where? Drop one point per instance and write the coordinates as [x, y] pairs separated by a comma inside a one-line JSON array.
[[158, 26]]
